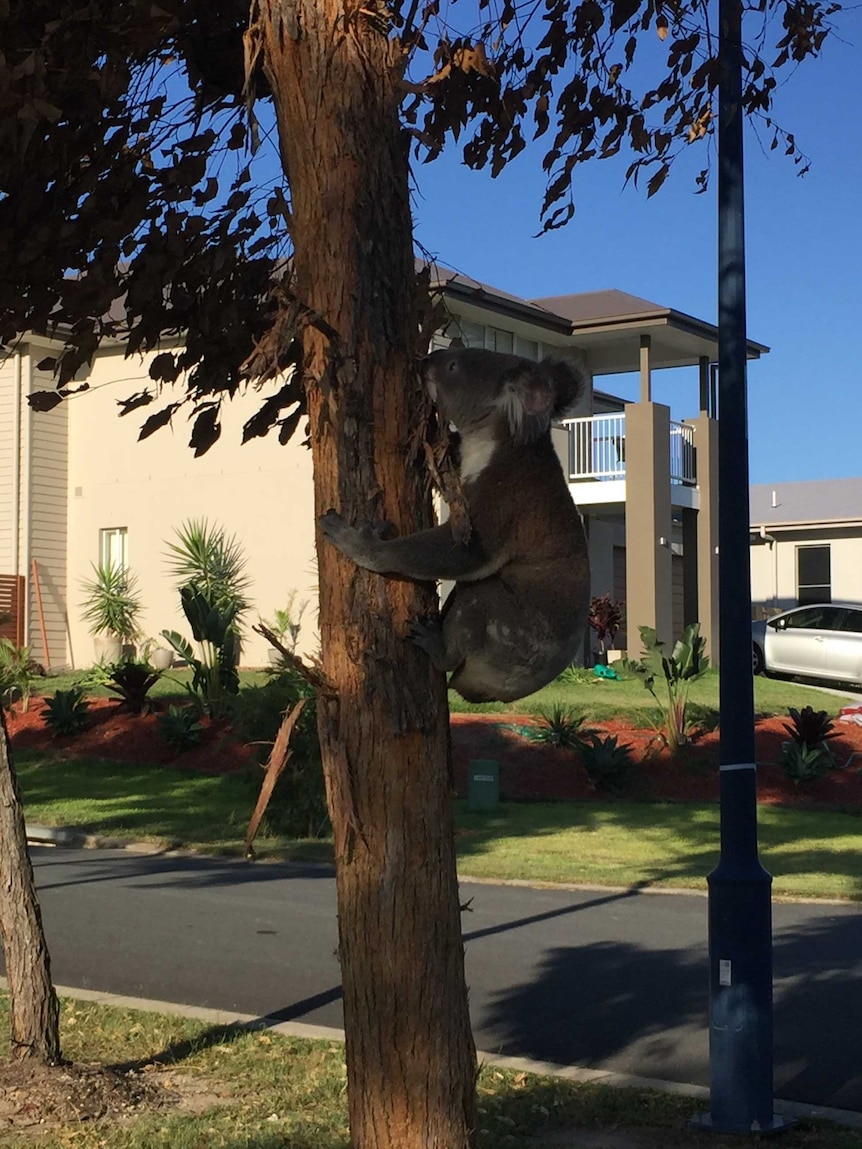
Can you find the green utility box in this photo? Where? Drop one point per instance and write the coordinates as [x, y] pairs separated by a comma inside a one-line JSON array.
[[483, 784]]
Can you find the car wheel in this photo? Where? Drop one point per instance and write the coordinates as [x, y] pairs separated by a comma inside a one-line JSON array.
[[757, 665]]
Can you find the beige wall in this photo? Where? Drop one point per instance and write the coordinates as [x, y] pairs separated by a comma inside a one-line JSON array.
[[261, 492], [773, 568]]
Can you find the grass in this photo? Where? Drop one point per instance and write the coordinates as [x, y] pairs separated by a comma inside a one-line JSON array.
[[268, 1091], [599, 698], [810, 853], [172, 684]]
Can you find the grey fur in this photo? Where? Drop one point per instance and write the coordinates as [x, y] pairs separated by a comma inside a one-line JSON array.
[[517, 614]]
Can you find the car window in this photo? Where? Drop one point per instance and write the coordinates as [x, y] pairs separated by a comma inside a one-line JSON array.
[[814, 618], [853, 621]]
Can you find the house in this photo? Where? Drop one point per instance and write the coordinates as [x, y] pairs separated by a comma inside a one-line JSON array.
[[76, 485], [806, 543]]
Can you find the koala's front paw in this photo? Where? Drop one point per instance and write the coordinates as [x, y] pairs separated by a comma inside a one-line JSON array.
[[361, 545], [427, 633]]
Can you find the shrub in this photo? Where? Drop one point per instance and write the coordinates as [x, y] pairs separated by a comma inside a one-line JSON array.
[[215, 679], [805, 763], [809, 727], [132, 681], [560, 727], [112, 604], [66, 712], [607, 761], [605, 618], [679, 669], [298, 804], [181, 728], [806, 756], [17, 673]]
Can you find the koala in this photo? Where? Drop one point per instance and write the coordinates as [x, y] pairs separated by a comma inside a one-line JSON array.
[[517, 614]]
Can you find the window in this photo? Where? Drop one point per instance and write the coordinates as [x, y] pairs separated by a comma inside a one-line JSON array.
[[813, 574], [853, 622], [113, 547], [813, 618], [527, 348]]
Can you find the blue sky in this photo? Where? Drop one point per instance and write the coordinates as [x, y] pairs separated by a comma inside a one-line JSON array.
[[804, 259]]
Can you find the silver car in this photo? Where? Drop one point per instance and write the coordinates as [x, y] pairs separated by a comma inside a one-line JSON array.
[[820, 640]]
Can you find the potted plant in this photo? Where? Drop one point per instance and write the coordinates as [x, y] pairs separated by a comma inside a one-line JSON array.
[[157, 654], [111, 609], [286, 624], [605, 618]]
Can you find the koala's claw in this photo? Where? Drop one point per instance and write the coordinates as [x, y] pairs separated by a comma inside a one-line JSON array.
[[359, 543], [427, 634]]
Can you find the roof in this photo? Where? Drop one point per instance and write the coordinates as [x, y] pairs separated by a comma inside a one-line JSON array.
[[677, 339], [484, 295], [806, 502]]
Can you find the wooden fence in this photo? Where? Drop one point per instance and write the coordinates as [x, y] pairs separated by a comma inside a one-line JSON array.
[[13, 595]]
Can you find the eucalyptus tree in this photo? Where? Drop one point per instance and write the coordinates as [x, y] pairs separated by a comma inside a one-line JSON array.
[[131, 146]]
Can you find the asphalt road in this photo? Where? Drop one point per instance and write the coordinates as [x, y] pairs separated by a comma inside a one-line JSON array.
[[608, 980]]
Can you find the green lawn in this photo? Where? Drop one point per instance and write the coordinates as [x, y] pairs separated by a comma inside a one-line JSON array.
[[810, 853], [254, 1088], [601, 698]]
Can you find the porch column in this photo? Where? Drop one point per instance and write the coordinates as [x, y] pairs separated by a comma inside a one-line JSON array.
[[703, 379], [706, 454], [645, 369], [649, 590]]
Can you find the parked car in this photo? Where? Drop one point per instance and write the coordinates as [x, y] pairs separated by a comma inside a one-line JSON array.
[[820, 640]]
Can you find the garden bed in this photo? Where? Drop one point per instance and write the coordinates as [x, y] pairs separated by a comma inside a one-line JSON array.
[[529, 771]]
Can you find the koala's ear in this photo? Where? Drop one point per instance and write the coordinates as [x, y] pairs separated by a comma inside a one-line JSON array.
[[527, 398], [567, 381]]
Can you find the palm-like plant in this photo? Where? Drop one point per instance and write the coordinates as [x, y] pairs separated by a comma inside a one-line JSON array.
[[213, 562], [112, 602]]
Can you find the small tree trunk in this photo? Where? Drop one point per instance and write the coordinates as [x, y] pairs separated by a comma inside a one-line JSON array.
[[34, 1007], [411, 1061]]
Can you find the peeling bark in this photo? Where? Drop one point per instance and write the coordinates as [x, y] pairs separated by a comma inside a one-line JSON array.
[[384, 735]]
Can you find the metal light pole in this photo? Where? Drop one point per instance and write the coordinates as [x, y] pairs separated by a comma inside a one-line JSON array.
[[740, 917]]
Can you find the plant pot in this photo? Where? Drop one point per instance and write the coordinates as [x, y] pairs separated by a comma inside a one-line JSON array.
[[273, 656], [108, 647], [616, 656], [162, 658]]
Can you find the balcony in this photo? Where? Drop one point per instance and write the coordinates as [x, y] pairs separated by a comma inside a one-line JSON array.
[[597, 450]]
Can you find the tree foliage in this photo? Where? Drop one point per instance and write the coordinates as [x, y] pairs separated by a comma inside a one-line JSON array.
[[139, 200]]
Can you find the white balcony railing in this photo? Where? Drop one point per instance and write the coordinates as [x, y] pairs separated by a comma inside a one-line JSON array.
[[682, 469], [597, 449]]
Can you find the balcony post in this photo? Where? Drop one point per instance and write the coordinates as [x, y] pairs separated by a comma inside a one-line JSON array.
[[706, 455], [649, 590]]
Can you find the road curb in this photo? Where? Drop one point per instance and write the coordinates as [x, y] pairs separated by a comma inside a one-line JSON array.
[[576, 1073], [77, 840]]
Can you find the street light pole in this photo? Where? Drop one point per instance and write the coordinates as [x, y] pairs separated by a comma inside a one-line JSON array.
[[740, 917]]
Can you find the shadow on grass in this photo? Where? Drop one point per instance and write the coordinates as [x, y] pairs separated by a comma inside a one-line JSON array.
[[660, 842]]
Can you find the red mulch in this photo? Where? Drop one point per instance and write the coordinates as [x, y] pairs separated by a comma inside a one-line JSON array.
[[114, 733], [528, 771], [533, 772]]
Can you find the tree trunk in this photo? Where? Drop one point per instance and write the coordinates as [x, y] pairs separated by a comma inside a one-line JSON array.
[[411, 1061], [34, 1008]]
